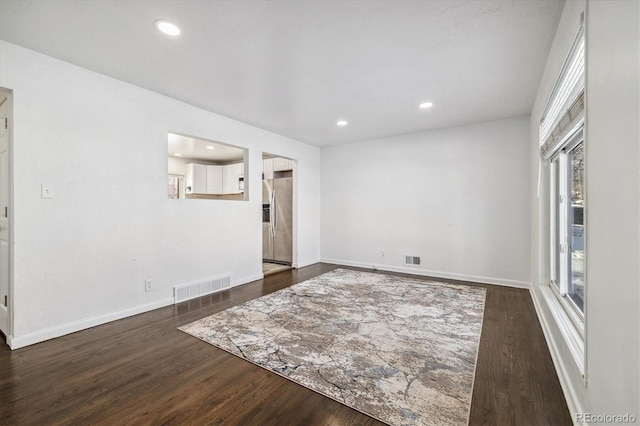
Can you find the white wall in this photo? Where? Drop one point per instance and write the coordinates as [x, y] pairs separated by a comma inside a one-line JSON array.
[[612, 179], [457, 197], [81, 258]]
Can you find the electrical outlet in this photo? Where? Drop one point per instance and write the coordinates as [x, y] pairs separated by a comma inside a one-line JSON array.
[[383, 254], [148, 286]]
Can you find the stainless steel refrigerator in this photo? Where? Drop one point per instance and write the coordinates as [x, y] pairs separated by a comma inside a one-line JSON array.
[[277, 220]]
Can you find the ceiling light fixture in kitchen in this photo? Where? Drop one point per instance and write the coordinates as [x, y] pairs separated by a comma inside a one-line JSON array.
[[425, 105], [342, 123]]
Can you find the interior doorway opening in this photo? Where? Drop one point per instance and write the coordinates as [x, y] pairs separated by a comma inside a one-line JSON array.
[[278, 216]]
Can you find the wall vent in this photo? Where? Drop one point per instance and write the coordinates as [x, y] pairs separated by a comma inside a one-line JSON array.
[[412, 260], [188, 291]]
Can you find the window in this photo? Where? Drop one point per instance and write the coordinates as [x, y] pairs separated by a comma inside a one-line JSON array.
[[567, 220], [562, 152]]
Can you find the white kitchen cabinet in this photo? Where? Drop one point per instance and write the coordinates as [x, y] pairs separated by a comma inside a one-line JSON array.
[[267, 168], [281, 164], [214, 179], [195, 179], [231, 177]]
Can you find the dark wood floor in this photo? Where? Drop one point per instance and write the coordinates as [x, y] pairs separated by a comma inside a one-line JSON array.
[[142, 370]]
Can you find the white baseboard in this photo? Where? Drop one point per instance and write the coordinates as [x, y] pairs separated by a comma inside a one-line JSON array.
[[307, 263], [568, 388], [435, 274], [72, 327], [247, 279], [10, 340]]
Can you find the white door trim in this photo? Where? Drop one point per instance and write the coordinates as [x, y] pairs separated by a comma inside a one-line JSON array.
[[8, 103]]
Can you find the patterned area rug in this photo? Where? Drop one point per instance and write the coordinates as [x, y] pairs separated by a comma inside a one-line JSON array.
[[399, 350]]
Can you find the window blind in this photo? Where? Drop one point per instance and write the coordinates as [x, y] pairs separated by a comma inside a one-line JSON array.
[[565, 108], [566, 126]]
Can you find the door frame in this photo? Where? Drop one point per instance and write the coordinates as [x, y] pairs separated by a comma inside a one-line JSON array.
[[294, 202], [10, 216]]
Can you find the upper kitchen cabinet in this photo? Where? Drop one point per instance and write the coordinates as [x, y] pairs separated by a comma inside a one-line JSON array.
[[267, 168], [272, 165], [214, 180], [204, 169], [282, 164], [233, 178], [196, 178]]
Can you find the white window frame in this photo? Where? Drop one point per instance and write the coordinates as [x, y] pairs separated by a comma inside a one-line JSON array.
[[560, 285], [570, 320], [562, 129]]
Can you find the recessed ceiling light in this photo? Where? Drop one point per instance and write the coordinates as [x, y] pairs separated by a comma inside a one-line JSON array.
[[167, 27], [177, 154], [425, 105], [211, 147], [342, 122]]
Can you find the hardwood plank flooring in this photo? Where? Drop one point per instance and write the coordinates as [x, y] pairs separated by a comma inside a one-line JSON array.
[[273, 268], [142, 370]]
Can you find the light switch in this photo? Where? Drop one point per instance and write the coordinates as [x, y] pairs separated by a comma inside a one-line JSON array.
[[46, 191]]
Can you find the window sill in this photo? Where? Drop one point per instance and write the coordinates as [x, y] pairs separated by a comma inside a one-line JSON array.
[[573, 336]]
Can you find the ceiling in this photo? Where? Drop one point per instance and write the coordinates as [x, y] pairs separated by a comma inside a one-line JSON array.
[[296, 67], [198, 149]]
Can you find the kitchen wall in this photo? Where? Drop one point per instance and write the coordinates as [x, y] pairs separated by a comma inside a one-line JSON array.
[[457, 197], [177, 166], [81, 258], [612, 174]]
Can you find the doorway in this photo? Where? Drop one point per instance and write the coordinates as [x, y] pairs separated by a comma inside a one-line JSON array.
[[6, 106], [277, 214]]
